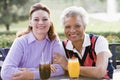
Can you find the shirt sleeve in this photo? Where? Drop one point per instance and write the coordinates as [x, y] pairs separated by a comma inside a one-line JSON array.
[[58, 72], [57, 47], [102, 45], [11, 62]]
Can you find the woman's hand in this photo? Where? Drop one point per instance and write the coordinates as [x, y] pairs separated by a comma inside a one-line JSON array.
[[60, 59], [24, 74], [53, 68]]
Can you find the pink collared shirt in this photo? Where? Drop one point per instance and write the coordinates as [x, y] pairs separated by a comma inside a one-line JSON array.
[[26, 52]]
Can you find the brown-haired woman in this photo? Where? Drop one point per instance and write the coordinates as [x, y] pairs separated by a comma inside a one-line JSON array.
[[26, 52]]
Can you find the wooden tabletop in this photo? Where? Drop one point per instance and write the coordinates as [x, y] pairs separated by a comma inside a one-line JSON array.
[[65, 77]]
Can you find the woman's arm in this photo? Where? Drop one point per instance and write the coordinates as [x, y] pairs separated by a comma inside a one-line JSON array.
[[24, 74], [60, 59], [103, 53], [89, 71], [57, 48], [99, 70], [12, 60]]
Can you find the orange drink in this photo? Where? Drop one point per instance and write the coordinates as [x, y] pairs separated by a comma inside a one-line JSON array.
[[73, 68]]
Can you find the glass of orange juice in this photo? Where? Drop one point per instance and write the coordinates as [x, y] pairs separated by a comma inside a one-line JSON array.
[[73, 68]]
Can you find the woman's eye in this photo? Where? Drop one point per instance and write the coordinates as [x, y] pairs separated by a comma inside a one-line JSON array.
[[36, 19], [45, 19], [78, 26], [67, 27]]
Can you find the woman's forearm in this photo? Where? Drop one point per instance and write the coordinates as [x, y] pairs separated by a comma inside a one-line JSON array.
[[95, 72]]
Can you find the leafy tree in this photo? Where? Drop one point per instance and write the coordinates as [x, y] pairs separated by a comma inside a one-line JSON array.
[[10, 11]]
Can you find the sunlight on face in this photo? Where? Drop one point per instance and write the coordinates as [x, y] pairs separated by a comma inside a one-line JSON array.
[[40, 22], [74, 28]]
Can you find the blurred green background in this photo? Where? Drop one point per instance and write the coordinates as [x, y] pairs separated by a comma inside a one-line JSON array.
[[104, 17]]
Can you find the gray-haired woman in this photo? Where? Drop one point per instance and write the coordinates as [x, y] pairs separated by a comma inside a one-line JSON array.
[[91, 50]]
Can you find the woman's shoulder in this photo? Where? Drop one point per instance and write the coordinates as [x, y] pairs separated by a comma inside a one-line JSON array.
[[56, 40], [102, 38], [99, 37], [22, 39]]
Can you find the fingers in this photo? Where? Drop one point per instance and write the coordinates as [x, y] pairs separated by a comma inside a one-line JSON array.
[[22, 69], [57, 57], [56, 54], [23, 74], [53, 69], [54, 60], [16, 76]]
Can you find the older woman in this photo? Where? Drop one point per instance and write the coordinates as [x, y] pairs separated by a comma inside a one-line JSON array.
[[25, 55], [91, 50]]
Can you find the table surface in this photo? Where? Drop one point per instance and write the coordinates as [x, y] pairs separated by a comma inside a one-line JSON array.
[[65, 77]]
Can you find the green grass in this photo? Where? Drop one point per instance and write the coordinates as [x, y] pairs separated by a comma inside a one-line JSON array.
[[93, 26], [15, 26], [101, 26], [56, 8]]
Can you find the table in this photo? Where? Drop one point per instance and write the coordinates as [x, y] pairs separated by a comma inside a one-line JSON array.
[[65, 77]]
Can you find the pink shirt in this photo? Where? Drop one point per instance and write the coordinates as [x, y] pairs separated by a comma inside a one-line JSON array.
[[26, 52]]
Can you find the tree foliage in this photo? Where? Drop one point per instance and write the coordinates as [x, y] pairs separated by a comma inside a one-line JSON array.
[[10, 11]]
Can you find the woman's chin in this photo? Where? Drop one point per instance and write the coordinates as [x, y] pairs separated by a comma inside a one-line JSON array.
[[72, 39]]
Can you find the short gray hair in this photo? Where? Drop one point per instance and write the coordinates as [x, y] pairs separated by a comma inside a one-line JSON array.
[[74, 11]]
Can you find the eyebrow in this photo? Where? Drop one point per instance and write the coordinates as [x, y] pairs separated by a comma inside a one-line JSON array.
[[42, 17]]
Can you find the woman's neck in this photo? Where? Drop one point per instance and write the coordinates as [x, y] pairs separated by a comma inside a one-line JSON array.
[[78, 45], [39, 37]]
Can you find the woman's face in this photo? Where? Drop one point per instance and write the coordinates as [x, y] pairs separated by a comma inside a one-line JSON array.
[[74, 28], [40, 22]]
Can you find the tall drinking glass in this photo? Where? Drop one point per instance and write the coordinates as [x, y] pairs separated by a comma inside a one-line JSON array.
[[44, 67], [44, 70], [73, 68]]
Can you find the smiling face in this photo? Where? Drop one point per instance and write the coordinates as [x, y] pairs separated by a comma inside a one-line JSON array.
[[74, 28], [40, 22]]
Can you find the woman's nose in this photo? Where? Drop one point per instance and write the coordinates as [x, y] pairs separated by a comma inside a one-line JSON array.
[[40, 22], [72, 30]]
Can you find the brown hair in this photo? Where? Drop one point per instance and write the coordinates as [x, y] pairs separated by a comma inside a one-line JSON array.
[[35, 7]]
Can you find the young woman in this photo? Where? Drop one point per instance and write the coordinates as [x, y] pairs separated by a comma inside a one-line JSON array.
[[25, 55]]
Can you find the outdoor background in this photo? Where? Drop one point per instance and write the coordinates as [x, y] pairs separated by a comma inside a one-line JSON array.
[[104, 17]]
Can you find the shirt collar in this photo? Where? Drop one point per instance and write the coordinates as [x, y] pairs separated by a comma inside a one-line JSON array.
[[31, 38], [86, 42]]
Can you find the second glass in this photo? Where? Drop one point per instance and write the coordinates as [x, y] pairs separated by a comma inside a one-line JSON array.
[[73, 68]]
